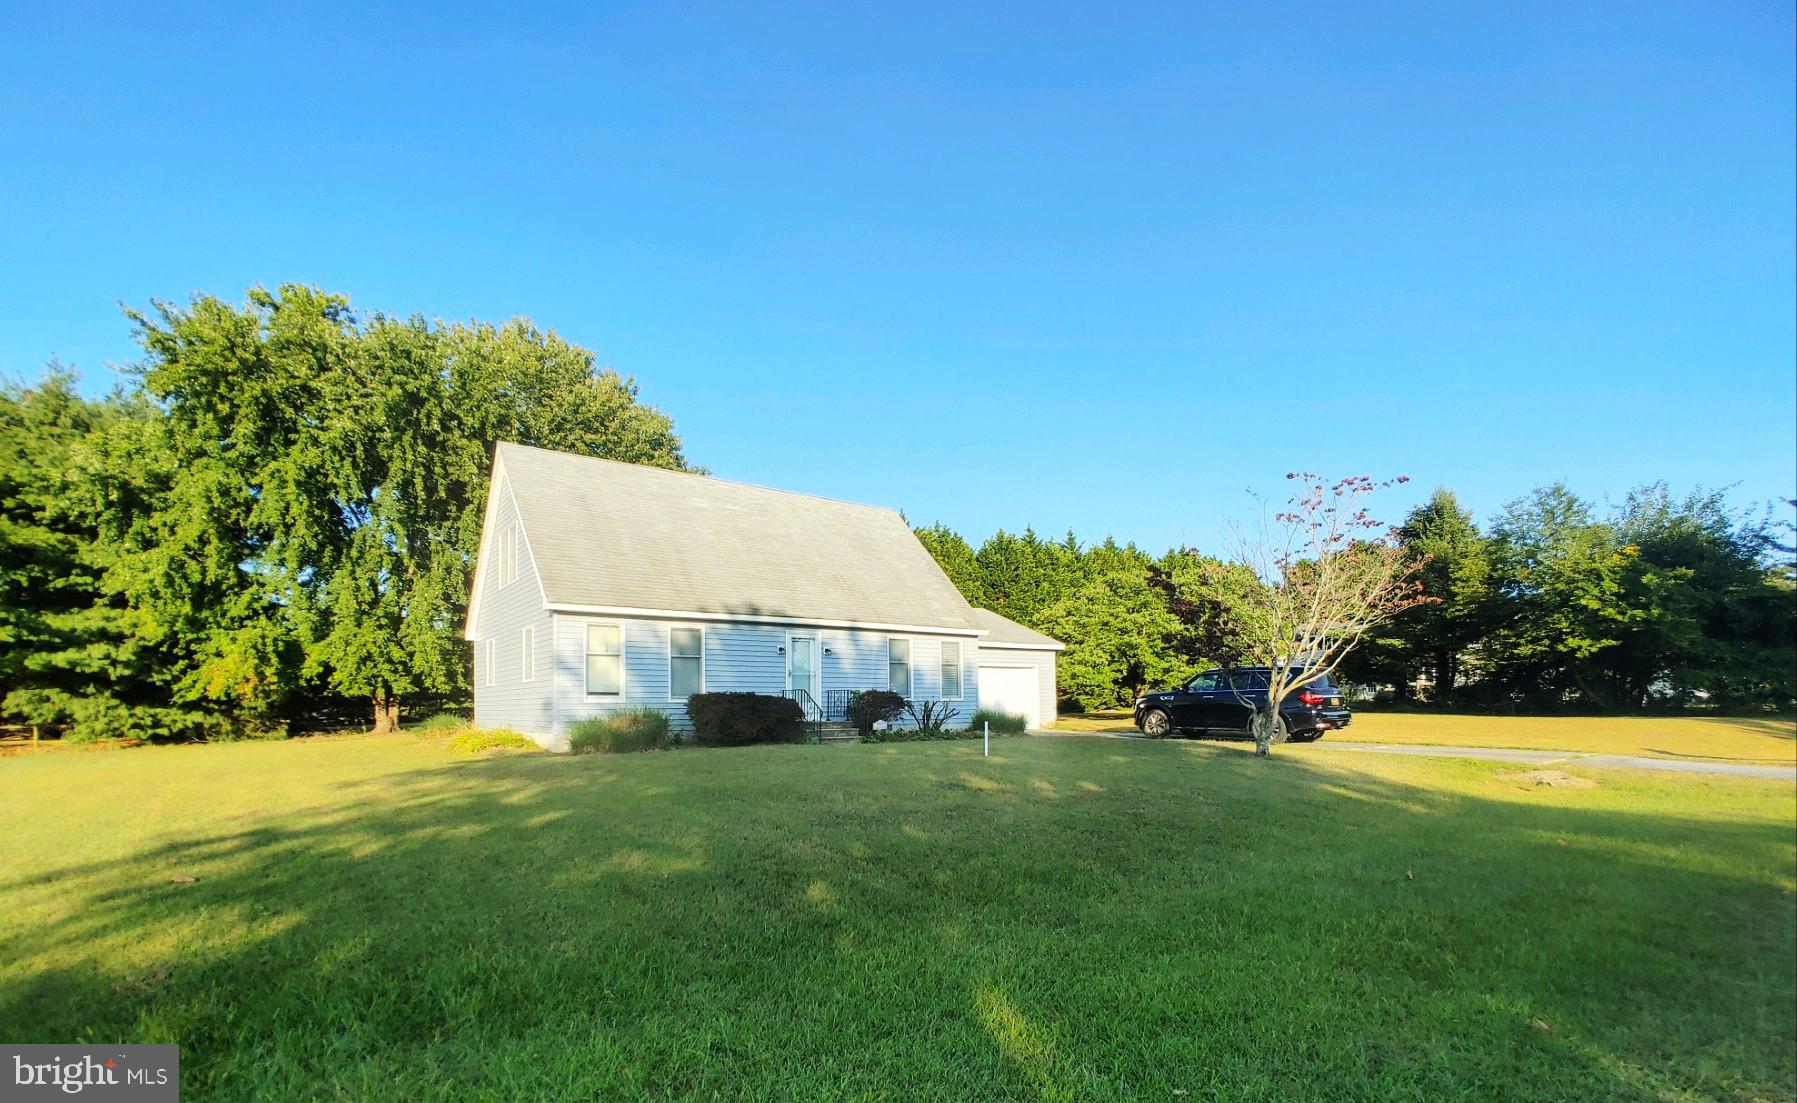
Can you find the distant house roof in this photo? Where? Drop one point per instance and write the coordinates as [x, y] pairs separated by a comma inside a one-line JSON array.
[[620, 536], [1002, 631]]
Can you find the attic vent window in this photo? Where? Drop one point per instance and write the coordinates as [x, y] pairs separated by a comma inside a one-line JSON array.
[[508, 554]]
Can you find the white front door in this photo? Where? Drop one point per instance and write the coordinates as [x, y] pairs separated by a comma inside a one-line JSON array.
[[802, 666]]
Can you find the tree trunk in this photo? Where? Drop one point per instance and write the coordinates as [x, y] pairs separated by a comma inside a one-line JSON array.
[[386, 712], [1444, 675], [1593, 691], [1269, 730]]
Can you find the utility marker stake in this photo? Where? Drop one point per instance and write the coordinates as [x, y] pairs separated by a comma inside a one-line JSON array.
[[987, 753]]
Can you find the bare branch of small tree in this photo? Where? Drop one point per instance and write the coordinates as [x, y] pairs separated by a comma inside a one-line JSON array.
[[1307, 584], [930, 716]]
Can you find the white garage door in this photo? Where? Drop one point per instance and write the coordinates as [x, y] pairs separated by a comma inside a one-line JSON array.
[[1012, 689]]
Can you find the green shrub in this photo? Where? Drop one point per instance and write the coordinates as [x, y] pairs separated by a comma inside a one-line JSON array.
[[738, 719], [919, 735], [1003, 723], [94, 718], [621, 732], [492, 741], [868, 706]]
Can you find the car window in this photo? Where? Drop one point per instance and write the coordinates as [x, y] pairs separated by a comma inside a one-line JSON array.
[[1205, 682]]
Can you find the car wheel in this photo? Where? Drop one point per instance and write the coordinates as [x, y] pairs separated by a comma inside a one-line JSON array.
[[1157, 725], [1248, 730]]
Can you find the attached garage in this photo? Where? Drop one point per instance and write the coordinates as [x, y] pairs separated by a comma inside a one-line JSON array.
[[1017, 669]]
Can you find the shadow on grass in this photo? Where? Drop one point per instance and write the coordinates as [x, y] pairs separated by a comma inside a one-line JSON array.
[[1663, 752], [1068, 919], [1779, 727]]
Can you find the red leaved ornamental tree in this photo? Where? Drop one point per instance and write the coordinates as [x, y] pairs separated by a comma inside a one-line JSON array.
[[1307, 584]]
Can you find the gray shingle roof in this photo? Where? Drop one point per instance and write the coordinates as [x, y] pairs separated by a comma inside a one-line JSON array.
[[619, 535], [1003, 630]]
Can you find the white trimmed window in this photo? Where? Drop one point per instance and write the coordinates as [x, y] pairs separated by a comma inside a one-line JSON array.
[[488, 648], [605, 660], [898, 667], [951, 669], [686, 662], [511, 553], [527, 655]]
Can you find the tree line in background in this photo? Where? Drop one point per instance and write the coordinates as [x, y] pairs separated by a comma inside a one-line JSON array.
[[276, 522], [1661, 602]]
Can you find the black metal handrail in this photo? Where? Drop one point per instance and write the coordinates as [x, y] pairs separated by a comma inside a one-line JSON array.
[[813, 712], [836, 703]]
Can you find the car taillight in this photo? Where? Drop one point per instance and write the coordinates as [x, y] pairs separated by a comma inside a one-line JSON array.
[[1311, 698]]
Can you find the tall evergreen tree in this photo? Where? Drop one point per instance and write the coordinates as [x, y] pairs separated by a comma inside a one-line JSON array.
[[956, 558], [67, 655], [1121, 636], [1457, 578]]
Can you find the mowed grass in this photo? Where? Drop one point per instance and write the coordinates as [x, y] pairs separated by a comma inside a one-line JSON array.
[[378, 918], [1722, 739]]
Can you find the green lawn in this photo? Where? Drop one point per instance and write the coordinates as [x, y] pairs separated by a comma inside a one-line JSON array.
[[1727, 739], [374, 918]]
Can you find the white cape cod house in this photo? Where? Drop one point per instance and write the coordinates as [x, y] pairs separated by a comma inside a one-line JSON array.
[[603, 585]]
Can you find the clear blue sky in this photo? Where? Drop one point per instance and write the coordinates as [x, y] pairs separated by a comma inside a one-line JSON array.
[[1092, 267]]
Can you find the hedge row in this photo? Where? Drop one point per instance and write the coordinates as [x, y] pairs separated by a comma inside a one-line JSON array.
[[739, 719]]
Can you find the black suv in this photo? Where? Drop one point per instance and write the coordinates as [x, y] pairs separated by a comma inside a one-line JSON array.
[[1214, 702]]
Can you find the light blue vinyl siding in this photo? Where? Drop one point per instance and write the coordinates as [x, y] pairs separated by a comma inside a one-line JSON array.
[[506, 609], [739, 658]]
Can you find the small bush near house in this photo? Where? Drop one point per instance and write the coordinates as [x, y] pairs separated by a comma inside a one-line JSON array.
[[621, 733], [870, 706], [915, 735], [1003, 723], [738, 719], [492, 741]]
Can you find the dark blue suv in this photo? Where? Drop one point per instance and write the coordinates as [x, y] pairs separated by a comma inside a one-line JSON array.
[[1222, 701]]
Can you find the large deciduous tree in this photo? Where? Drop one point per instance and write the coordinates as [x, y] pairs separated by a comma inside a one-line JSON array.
[[1567, 578], [327, 480]]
